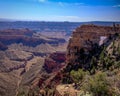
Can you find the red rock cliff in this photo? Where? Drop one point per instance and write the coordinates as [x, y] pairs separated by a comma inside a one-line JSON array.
[[87, 38]]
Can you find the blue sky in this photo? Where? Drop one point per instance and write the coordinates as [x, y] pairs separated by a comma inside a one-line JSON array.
[[61, 10]]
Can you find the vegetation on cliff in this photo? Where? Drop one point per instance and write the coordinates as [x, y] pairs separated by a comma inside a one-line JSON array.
[[102, 77]]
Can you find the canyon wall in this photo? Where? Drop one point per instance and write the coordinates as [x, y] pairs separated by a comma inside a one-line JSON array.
[[87, 39]]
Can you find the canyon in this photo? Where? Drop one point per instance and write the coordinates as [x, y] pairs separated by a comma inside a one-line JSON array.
[[22, 57], [36, 63], [84, 44]]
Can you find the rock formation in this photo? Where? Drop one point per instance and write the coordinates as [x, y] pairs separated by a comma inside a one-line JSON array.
[[55, 62], [26, 37], [85, 42]]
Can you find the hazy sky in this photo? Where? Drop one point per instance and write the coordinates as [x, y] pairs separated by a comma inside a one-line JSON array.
[[61, 10]]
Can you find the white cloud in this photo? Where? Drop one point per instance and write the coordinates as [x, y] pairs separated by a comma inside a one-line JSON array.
[[69, 4], [42, 0], [60, 18], [116, 6], [78, 4], [68, 17]]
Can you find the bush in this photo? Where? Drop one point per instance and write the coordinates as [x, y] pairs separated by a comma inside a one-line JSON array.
[[21, 94], [77, 76], [98, 85]]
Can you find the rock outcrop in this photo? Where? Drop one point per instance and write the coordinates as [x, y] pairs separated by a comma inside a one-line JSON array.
[[86, 41], [55, 62], [83, 44]]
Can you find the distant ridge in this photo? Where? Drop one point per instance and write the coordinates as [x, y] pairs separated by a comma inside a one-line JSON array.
[[48, 26], [18, 20], [6, 20]]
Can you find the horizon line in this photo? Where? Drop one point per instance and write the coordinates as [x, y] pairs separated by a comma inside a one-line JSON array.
[[17, 20]]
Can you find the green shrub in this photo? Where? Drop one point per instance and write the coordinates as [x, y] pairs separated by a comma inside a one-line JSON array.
[[98, 85], [21, 94], [77, 76]]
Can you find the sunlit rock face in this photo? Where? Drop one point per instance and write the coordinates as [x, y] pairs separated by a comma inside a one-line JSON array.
[[102, 40]]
